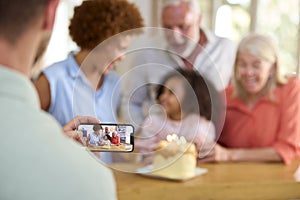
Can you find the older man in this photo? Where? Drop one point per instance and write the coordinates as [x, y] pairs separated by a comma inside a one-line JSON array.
[[189, 46], [37, 160]]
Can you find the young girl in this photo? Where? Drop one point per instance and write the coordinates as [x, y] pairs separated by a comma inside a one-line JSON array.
[[185, 100]]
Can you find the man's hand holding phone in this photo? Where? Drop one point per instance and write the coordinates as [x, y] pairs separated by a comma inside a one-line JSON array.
[[70, 129]]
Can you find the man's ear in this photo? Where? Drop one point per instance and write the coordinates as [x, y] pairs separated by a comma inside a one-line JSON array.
[[49, 18]]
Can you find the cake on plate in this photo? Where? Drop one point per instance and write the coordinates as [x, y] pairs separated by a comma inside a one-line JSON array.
[[175, 158], [106, 144]]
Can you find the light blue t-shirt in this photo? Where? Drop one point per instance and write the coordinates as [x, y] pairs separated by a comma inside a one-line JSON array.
[[95, 139], [72, 94]]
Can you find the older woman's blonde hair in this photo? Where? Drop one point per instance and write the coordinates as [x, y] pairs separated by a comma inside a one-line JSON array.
[[264, 48]]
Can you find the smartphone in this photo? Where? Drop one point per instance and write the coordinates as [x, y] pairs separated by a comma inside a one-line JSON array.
[[108, 137]]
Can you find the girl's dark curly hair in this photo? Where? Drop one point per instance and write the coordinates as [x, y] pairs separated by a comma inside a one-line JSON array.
[[195, 85], [96, 20]]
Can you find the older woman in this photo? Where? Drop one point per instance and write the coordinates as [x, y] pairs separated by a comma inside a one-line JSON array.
[[263, 109]]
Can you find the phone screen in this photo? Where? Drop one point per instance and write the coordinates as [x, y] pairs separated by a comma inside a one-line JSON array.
[[108, 137]]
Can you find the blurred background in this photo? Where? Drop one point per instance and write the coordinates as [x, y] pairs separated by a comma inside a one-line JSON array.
[[232, 19]]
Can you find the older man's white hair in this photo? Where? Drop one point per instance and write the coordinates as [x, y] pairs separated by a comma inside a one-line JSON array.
[[193, 4]]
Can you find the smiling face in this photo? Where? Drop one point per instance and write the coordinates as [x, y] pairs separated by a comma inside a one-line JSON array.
[[116, 52], [171, 97], [96, 129], [105, 56], [253, 72], [256, 70], [97, 132], [183, 24]]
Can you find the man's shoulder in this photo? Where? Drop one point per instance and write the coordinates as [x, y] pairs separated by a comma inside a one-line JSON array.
[[41, 140], [213, 38], [225, 42]]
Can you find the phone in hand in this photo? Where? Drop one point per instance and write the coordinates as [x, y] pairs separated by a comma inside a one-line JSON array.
[[106, 137]]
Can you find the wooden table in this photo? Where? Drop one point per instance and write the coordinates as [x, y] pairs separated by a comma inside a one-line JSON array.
[[223, 181], [118, 148]]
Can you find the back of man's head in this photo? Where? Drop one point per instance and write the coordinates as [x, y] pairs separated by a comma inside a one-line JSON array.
[[17, 15], [192, 4]]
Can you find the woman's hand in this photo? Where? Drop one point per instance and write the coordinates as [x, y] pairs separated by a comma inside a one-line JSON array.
[[222, 154], [217, 154]]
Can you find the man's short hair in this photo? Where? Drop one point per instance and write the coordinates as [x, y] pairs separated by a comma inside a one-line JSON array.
[[192, 4], [96, 127], [18, 15]]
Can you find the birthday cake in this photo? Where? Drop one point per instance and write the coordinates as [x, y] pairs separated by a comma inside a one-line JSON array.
[[106, 144], [175, 158]]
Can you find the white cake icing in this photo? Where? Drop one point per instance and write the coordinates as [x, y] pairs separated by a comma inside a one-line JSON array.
[[175, 159], [106, 145]]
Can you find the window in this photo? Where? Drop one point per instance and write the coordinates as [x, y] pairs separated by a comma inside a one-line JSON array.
[[276, 18], [280, 20]]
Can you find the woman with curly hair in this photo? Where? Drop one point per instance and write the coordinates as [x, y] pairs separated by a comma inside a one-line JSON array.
[[84, 83]]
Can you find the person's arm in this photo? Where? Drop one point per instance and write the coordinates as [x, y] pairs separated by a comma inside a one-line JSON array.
[[112, 140], [288, 139], [118, 139], [147, 140], [108, 137], [134, 94], [222, 154], [43, 88], [268, 154]]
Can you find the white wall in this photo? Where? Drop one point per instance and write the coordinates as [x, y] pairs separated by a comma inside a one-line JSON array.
[[61, 44]]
